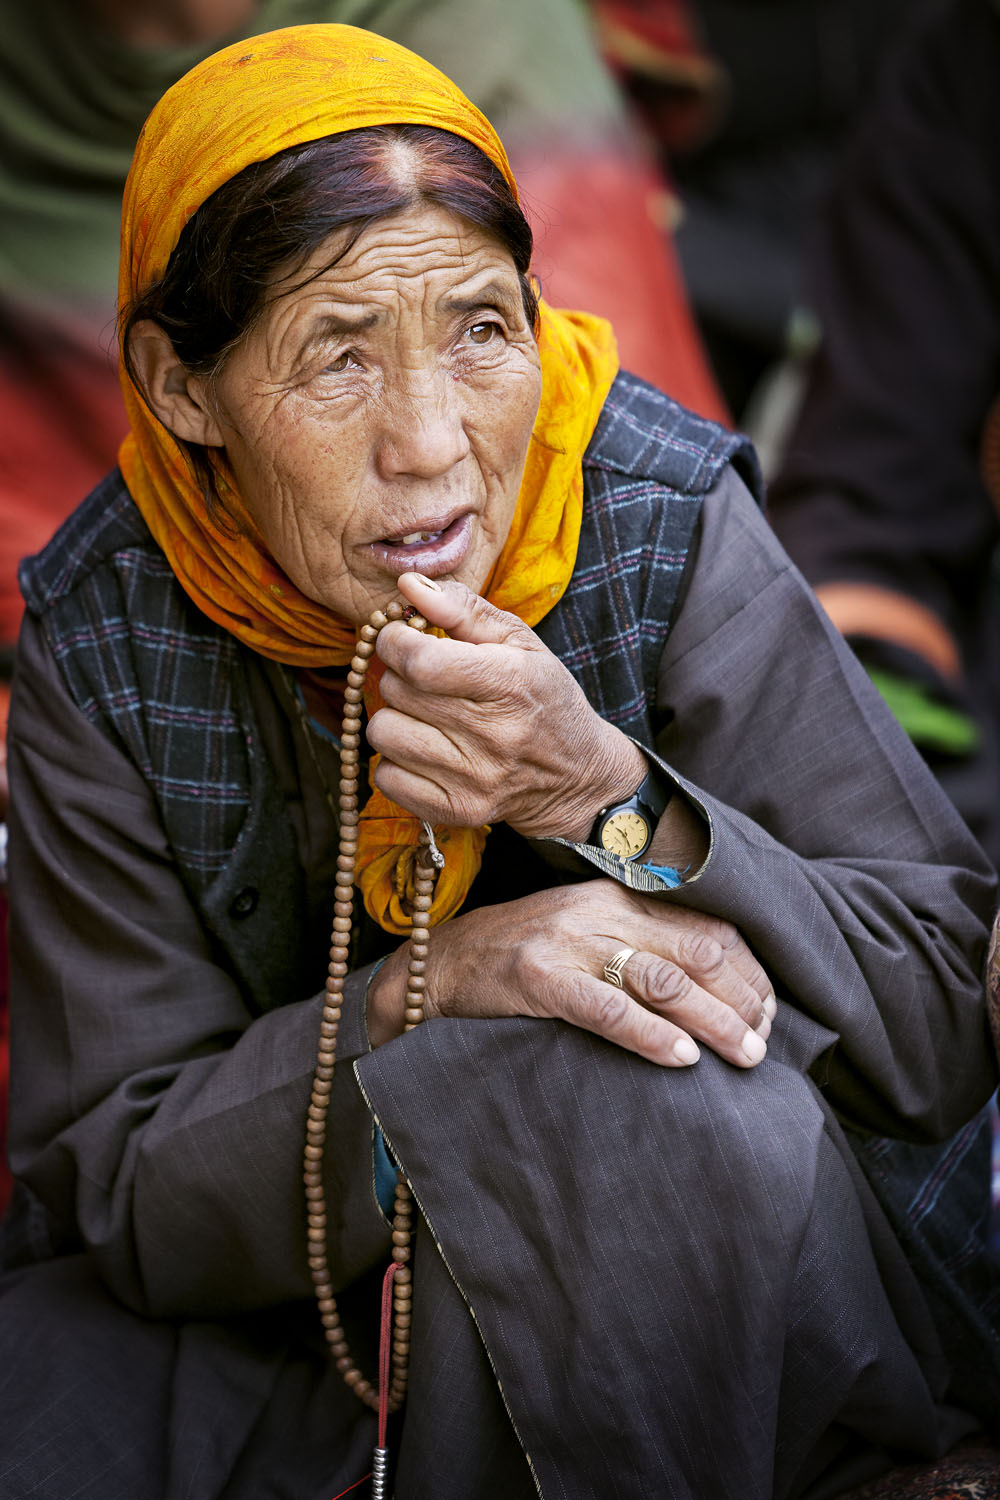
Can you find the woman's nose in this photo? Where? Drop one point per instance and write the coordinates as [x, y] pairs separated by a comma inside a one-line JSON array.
[[423, 431]]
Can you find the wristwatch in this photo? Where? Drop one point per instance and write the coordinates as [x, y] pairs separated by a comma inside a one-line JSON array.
[[626, 828]]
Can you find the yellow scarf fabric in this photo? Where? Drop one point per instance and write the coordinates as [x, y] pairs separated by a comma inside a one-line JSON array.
[[243, 105]]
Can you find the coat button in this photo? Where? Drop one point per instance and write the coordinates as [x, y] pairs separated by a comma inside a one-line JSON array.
[[244, 903]]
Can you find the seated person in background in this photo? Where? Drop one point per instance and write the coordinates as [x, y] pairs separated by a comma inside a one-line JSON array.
[[889, 490], [633, 1252]]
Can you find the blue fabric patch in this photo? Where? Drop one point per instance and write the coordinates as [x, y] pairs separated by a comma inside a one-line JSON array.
[[666, 873], [385, 1175]]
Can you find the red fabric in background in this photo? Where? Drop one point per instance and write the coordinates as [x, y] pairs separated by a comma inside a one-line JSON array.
[[601, 244], [5, 1182], [61, 420], [5, 1179]]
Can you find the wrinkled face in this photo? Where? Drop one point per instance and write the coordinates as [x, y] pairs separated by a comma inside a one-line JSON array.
[[377, 419]]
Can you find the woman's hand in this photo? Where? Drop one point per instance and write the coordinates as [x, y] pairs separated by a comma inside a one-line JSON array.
[[489, 726], [692, 976]]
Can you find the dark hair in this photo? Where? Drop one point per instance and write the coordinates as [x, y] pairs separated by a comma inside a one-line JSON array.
[[271, 216]]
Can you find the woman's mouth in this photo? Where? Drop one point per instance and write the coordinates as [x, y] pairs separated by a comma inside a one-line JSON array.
[[431, 551]]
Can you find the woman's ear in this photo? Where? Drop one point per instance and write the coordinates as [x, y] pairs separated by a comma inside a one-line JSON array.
[[179, 399]]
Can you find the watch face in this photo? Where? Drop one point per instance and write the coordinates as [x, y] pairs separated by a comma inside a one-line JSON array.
[[625, 834]]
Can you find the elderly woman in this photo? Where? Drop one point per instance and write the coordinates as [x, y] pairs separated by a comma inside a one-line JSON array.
[[633, 1257]]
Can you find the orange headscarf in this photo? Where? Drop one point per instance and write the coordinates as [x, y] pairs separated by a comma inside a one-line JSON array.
[[243, 105]]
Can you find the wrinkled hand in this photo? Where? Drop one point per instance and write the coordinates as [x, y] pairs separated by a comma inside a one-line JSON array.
[[693, 976], [489, 726]]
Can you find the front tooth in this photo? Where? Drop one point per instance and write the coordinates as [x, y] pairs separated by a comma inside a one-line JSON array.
[[419, 536]]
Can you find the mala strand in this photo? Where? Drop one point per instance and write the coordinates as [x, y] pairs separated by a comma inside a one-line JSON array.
[[340, 943]]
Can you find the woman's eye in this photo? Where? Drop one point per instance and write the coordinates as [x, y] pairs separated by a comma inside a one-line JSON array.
[[482, 333]]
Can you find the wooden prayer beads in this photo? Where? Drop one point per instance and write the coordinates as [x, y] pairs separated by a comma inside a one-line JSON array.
[[340, 946]]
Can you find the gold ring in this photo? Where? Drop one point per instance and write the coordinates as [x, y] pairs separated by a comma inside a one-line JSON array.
[[613, 967]]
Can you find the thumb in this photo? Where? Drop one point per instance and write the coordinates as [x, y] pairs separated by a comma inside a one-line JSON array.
[[464, 615]]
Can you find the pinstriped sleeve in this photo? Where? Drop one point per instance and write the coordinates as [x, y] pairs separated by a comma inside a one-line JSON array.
[[831, 846]]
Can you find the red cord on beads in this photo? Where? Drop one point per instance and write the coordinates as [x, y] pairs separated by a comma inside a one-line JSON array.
[[384, 1362], [384, 1348]]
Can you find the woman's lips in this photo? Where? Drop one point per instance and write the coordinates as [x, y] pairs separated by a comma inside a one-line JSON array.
[[425, 551]]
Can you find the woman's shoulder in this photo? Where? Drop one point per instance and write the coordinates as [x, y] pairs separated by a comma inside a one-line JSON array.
[[105, 528], [644, 434]]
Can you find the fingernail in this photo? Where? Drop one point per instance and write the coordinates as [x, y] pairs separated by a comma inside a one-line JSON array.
[[763, 1028], [686, 1051], [429, 583], [754, 1046], [771, 1005]]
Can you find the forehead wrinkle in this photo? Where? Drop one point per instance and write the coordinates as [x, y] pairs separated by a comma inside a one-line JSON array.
[[395, 262]]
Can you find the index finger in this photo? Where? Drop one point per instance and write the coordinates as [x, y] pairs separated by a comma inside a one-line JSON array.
[[444, 667], [614, 1015], [463, 613]]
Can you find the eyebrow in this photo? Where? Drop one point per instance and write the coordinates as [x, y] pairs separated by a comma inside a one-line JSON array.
[[494, 293], [334, 323]]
